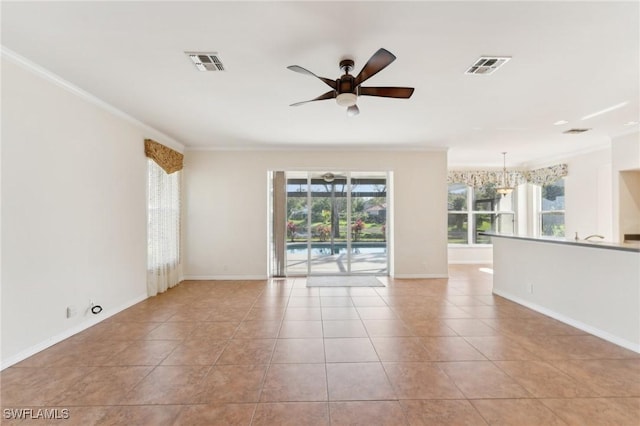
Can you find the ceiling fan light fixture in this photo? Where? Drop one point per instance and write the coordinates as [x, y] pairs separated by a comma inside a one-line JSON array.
[[353, 110], [328, 177], [346, 99]]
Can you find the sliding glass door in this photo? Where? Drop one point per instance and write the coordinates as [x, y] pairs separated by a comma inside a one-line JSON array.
[[297, 199], [327, 249], [336, 223], [368, 248]]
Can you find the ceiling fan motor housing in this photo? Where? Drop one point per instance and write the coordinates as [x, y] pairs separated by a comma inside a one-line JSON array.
[[345, 85]]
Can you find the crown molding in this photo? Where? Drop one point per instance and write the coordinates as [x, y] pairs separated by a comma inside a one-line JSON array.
[[51, 77], [318, 148]]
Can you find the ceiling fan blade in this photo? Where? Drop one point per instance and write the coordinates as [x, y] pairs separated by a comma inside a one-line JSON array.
[[379, 61], [331, 94], [297, 68], [387, 92]]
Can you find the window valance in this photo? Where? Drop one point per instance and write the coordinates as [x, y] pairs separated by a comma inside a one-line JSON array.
[[478, 178], [547, 175], [171, 161]]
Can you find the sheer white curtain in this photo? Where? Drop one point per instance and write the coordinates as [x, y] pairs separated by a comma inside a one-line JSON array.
[[163, 229]]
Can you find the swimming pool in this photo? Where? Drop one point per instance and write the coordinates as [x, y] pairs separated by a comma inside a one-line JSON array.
[[324, 248]]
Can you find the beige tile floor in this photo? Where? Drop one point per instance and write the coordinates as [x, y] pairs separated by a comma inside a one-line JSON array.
[[416, 352]]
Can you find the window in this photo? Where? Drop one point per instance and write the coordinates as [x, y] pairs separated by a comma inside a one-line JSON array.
[[458, 221], [473, 211], [163, 228], [552, 209]]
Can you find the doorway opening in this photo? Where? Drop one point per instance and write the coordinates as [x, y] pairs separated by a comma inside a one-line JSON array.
[[331, 223]]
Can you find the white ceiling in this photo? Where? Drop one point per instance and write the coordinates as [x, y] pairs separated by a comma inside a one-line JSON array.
[[570, 59]]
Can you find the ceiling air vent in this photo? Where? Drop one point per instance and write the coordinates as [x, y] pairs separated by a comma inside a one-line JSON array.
[[575, 131], [206, 61], [487, 64]]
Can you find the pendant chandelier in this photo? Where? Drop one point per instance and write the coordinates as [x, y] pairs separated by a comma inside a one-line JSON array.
[[504, 188]]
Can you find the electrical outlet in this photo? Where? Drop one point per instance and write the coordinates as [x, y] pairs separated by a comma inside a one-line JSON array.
[[71, 311], [531, 288]]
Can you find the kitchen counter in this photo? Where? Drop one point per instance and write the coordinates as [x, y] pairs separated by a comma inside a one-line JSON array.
[[628, 246], [593, 286]]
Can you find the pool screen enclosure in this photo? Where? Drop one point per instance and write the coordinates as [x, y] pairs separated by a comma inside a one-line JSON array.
[[335, 223]]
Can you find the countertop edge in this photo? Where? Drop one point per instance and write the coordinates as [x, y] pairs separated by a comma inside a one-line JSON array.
[[579, 243]]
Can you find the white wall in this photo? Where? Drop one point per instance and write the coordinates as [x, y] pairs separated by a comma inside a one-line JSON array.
[[592, 288], [626, 152], [470, 254], [226, 202], [73, 212], [593, 190], [588, 195], [625, 159]]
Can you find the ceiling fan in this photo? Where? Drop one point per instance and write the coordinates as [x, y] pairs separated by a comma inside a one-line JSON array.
[[347, 88]]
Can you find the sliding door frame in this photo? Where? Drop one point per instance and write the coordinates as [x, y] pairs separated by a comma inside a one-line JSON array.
[[278, 231]]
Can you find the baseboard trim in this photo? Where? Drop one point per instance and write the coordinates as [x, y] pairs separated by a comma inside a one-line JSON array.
[[224, 277], [26, 353], [635, 347]]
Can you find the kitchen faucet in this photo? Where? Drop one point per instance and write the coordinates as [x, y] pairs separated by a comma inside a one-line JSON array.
[[590, 236]]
